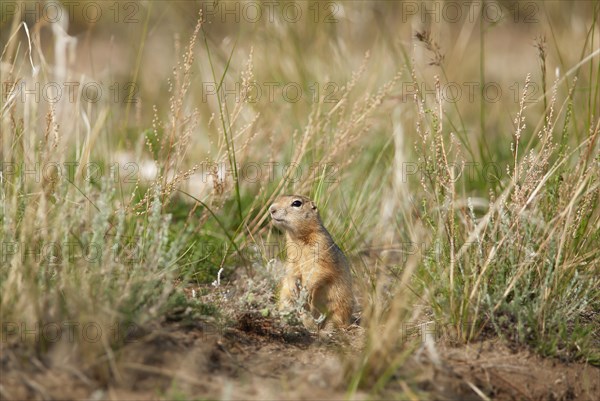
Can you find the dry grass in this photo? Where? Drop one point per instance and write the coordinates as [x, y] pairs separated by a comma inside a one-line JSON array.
[[477, 214]]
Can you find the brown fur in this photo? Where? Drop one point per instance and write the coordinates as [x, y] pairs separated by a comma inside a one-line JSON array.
[[314, 262]]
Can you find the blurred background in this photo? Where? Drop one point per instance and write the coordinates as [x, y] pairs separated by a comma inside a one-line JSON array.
[[116, 60]]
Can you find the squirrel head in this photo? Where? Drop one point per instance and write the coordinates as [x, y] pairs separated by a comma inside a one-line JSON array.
[[295, 214]]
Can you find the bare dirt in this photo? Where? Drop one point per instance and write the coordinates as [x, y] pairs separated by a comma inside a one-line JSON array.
[[258, 358]]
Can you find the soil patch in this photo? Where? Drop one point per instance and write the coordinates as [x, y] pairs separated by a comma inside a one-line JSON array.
[[505, 373], [260, 358]]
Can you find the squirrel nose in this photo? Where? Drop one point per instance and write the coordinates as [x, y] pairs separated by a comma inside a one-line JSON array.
[[272, 209]]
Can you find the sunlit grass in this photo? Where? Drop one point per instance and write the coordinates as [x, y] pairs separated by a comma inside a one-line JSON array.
[[479, 216]]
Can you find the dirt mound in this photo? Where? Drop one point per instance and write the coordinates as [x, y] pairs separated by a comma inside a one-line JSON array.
[[507, 373], [256, 357]]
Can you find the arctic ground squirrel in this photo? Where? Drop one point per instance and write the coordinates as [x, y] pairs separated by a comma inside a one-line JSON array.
[[314, 263]]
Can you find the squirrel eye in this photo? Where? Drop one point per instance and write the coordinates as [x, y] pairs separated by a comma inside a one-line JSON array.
[[297, 203]]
